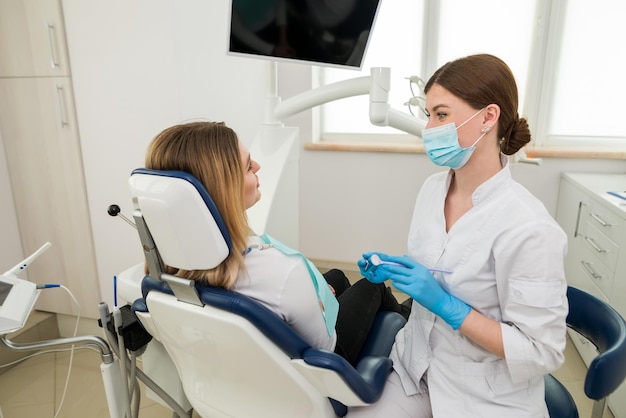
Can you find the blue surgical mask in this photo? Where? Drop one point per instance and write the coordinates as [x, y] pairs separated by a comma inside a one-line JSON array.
[[442, 145]]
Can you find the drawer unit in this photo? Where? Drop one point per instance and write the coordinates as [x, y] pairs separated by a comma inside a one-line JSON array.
[[595, 223]]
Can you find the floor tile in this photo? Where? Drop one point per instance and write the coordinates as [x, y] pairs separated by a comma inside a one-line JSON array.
[[34, 387]]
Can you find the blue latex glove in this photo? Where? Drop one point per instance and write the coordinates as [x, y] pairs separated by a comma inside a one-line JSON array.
[[375, 274], [416, 281]]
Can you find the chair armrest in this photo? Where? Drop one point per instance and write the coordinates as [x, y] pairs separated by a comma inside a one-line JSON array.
[[374, 371], [140, 309], [606, 372], [382, 335], [139, 306], [367, 380]]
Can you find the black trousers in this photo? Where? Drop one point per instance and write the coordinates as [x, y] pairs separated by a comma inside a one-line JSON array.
[[358, 305]]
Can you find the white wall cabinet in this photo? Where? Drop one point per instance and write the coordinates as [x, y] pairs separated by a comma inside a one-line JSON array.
[[595, 223], [32, 39], [40, 136]]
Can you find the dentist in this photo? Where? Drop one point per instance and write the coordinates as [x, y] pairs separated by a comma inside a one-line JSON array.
[[484, 264]]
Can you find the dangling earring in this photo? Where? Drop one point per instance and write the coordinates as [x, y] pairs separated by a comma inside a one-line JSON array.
[[486, 129]]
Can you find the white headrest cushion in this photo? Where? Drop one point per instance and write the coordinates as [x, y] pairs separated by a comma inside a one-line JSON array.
[[183, 228]]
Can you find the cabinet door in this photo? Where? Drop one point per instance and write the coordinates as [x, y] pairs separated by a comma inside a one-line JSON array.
[[572, 206], [32, 39], [45, 166]]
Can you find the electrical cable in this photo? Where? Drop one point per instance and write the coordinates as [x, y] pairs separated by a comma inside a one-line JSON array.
[[69, 369], [38, 353]]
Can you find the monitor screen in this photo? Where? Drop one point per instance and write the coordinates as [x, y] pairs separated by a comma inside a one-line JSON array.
[[5, 289], [323, 32]]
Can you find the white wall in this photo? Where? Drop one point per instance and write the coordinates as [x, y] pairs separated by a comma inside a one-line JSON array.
[[140, 66], [137, 68], [356, 202]]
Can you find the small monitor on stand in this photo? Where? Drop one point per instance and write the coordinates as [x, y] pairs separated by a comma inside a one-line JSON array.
[[17, 298]]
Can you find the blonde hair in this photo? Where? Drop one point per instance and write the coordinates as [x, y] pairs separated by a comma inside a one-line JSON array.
[[210, 152]]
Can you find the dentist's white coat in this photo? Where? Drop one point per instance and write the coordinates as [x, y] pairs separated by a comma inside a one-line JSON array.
[[506, 255]]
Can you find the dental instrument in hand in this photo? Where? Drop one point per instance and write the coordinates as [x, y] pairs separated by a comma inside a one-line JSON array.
[[376, 261]]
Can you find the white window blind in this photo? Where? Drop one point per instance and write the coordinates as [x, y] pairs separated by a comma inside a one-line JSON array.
[[588, 84]]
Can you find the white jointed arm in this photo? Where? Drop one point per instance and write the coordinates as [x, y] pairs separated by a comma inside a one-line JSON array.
[[377, 85]]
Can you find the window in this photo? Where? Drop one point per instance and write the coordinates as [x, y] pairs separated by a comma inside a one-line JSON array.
[[587, 88], [565, 55], [397, 27]]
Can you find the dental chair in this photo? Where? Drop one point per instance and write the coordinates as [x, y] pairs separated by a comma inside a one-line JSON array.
[[233, 356], [606, 329]]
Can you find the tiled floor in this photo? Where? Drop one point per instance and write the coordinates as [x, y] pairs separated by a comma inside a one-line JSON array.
[[33, 389]]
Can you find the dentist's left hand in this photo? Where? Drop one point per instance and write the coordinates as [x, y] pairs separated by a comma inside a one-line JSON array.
[[417, 281], [374, 274]]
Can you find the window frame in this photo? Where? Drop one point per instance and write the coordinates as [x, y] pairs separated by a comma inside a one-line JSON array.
[[538, 107]]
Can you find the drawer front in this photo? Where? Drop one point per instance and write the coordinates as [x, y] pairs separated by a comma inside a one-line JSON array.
[[601, 246], [594, 270], [607, 221]]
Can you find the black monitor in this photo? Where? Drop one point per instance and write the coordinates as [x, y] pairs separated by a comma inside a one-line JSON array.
[[333, 33]]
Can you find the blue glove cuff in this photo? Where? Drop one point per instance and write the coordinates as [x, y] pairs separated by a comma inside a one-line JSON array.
[[455, 312]]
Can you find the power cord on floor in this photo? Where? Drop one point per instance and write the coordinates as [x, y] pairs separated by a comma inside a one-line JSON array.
[[69, 369], [39, 353]]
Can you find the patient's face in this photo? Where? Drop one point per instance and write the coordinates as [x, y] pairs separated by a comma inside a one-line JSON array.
[[251, 191]]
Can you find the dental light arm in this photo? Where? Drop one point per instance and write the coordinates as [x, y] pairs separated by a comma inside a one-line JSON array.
[[328, 93], [381, 114], [377, 85]]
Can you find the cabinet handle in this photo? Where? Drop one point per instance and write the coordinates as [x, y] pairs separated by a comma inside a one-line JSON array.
[[61, 104], [599, 220], [590, 270], [51, 44], [580, 209], [595, 245]]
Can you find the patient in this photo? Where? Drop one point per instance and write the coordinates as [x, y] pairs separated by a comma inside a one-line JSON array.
[[258, 266]]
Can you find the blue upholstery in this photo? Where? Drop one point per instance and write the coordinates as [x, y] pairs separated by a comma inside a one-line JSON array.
[[384, 324], [558, 399], [367, 380], [606, 329]]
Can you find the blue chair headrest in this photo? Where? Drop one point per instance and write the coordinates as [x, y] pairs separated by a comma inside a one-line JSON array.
[[185, 224]]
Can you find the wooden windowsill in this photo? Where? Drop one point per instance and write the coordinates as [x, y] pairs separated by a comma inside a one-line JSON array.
[[418, 148]]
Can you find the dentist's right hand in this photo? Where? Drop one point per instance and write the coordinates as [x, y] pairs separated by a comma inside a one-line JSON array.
[[417, 281]]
